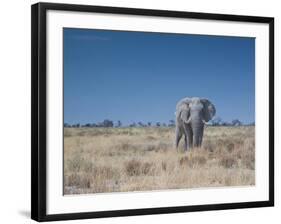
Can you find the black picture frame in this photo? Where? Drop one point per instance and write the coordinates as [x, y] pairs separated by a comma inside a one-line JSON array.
[[38, 108]]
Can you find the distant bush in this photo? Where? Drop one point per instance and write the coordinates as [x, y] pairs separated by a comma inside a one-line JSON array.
[[217, 121], [107, 123], [236, 122]]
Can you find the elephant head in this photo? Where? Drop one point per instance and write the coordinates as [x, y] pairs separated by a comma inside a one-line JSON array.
[[191, 115]]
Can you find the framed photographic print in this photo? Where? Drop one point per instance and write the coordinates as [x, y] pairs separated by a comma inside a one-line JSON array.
[[140, 111]]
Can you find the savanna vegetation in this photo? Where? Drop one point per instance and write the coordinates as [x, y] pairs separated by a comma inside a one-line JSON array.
[[119, 159]]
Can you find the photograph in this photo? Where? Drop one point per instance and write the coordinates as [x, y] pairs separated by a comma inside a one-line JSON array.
[[139, 111], [151, 111]]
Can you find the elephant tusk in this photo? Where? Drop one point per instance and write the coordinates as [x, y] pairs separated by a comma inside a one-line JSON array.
[[204, 121], [188, 121]]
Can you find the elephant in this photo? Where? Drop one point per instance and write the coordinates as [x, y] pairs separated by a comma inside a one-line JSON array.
[[191, 116]]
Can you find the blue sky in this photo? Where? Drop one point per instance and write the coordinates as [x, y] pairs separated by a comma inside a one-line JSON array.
[[138, 76]]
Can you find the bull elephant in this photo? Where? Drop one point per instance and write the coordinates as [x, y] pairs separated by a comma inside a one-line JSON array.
[[191, 116]]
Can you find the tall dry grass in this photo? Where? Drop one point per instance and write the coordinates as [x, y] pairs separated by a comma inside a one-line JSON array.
[[141, 159]]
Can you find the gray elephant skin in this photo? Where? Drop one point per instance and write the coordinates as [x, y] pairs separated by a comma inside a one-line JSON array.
[[191, 116]]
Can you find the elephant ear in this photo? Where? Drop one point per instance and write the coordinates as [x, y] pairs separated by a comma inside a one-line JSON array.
[[209, 109], [184, 113], [182, 109], [183, 102]]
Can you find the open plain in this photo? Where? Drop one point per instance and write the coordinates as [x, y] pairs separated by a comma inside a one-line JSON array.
[[99, 160]]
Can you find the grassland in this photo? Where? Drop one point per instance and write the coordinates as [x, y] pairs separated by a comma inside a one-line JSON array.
[[141, 159]]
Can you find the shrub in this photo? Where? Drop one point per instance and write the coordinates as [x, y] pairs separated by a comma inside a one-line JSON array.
[[67, 132], [183, 160], [133, 168], [209, 145], [228, 162], [164, 165], [77, 180], [146, 168], [136, 168], [230, 147], [197, 161], [163, 147], [193, 161], [248, 161]]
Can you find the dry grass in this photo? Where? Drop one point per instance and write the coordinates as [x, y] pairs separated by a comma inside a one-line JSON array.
[[140, 159]]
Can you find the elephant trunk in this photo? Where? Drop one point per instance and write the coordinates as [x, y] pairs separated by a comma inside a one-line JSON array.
[[197, 129]]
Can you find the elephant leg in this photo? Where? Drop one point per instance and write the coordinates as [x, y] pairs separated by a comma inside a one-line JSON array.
[[201, 138], [199, 141], [185, 143], [190, 137], [178, 137], [188, 141], [197, 137]]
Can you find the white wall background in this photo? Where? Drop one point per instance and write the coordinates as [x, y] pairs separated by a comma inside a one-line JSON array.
[[15, 110]]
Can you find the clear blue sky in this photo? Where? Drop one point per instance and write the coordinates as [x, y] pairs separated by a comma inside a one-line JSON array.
[[138, 76]]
